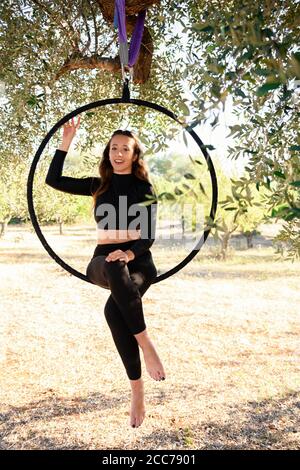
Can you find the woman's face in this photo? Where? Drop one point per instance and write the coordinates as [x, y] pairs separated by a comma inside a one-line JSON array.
[[121, 153]]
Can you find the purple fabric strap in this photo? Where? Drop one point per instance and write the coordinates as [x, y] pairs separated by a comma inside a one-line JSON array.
[[136, 39]]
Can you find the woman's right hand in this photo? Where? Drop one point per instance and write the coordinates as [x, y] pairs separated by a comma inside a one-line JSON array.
[[70, 130]]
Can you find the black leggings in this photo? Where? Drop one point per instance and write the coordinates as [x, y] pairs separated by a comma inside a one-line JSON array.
[[124, 310]]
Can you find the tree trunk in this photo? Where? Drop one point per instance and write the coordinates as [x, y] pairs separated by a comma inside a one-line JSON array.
[[249, 237], [141, 72], [3, 226], [182, 224], [224, 244]]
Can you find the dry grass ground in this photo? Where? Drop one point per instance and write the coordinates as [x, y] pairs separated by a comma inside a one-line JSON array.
[[228, 335]]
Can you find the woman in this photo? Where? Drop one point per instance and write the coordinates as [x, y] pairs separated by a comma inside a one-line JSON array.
[[122, 260]]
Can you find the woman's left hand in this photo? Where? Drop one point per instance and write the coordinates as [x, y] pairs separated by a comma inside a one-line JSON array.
[[117, 255]]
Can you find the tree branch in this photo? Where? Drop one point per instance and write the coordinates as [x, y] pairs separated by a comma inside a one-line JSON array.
[[87, 29], [95, 26], [77, 61], [59, 20]]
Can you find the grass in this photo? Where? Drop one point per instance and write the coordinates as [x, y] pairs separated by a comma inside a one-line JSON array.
[[227, 333]]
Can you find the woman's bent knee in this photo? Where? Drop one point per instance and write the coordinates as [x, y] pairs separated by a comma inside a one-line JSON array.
[[95, 272], [117, 263]]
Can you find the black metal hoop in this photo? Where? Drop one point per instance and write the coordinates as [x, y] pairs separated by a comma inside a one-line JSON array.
[[96, 104]]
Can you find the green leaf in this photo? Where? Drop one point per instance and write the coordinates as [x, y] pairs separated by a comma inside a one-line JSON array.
[[279, 210], [267, 32], [235, 216], [210, 48], [253, 152], [257, 120], [167, 195], [279, 174], [215, 91], [184, 108], [234, 130], [202, 27], [262, 72], [235, 194], [178, 191], [295, 183], [202, 188], [292, 214], [295, 147], [264, 89], [248, 192], [189, 176], [230, 75], [296, 211], [240, 92], [248, 55], [269, 162]]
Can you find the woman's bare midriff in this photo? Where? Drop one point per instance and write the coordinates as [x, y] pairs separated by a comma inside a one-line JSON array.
[[117, 236]]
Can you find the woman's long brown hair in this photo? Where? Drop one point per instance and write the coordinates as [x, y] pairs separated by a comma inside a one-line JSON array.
[[106, 169]]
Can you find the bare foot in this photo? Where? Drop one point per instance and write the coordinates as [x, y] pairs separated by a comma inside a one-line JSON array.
[[153, 364], [137, 411]]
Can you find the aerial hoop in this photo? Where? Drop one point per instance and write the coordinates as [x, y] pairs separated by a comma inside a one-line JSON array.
[[96, 104]]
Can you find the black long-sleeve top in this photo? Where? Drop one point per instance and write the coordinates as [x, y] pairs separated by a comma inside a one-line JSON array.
[[116, 208]]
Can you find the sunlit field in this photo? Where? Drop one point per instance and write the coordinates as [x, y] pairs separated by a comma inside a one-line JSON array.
[[227, 333]]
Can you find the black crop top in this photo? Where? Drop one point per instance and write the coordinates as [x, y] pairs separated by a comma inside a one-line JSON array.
[[117, 208]]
